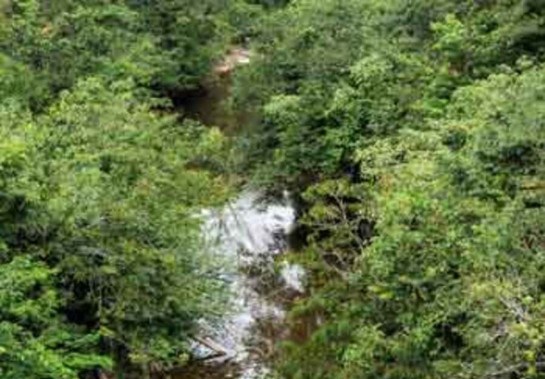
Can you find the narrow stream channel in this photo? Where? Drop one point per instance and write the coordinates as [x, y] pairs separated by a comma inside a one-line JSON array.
[[252, 236]]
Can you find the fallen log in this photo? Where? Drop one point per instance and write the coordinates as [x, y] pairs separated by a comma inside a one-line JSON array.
[[219, 350]]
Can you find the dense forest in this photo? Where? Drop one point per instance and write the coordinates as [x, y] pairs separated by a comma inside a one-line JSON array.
[[411, 135], [100, 259]]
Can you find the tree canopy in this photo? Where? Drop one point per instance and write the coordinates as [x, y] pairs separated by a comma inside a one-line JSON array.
[[101, 260], [414, 133]]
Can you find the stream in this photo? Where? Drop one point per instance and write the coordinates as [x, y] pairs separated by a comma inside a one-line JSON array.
[[251, 235]]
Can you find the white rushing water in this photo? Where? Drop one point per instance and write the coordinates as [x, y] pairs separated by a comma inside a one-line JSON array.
[[250, 235]]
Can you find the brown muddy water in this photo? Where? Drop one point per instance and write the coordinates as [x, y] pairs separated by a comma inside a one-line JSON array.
[[251, 236], [210, 103]]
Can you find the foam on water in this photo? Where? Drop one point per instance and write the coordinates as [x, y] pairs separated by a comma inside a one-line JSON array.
[[249, 234]]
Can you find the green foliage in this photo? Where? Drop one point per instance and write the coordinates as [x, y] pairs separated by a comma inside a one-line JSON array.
[[122, 196], [100, 188], [363, 68], [450, 283], [419, 150], [413, 131], [166, 46], [34, 340], [189, 34], [301, 52], [101, 259]]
